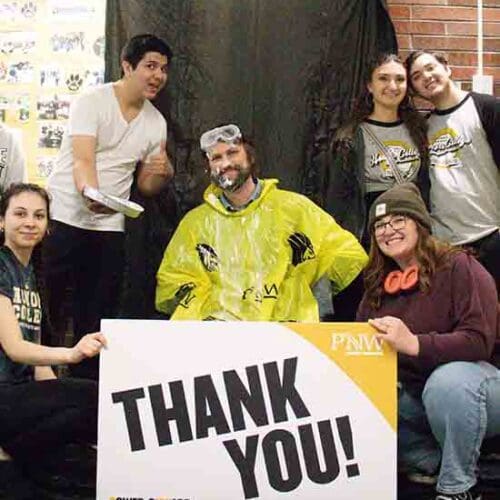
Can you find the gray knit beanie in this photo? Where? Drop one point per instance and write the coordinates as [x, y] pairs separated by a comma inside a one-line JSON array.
[[404, 199]]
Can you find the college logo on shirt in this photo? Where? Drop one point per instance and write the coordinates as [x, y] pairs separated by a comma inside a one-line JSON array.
[[27, 307], [208, 257], [407, 160], [445, 149], [302, 248]]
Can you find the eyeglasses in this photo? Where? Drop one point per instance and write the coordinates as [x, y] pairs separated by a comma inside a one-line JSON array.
[[396, 223], [226, 133]]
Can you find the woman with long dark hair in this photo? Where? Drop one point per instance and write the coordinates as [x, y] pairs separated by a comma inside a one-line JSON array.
[[383, 143], [437, 307], [39, 413]]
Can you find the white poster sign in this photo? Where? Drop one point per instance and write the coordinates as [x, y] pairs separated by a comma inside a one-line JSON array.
[[229, 411]]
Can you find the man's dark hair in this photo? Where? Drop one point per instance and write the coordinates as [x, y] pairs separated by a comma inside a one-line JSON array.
[[413, 56], [249, 147], [138, 45]]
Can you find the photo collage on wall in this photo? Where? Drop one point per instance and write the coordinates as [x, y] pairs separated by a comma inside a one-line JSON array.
[[50, 51]]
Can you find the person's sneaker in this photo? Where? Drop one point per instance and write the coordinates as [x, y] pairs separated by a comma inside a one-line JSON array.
[[466, 495], [421, 478]]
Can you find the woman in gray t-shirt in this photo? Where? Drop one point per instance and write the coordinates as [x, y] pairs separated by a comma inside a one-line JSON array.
[[382, 123]]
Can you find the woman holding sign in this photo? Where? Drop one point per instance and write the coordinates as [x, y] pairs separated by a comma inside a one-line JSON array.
[[38, 412], [437, 306]]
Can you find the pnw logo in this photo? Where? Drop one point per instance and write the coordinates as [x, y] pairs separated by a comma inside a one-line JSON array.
[[208, 257], [259, 294], [361, 344], [302, 248], [445, 148]]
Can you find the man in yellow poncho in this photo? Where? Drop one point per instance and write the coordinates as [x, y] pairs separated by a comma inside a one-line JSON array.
[[251, 251]]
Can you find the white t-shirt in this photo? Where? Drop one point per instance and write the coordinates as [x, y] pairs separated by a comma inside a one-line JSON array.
[[12, 161], [119, 146]]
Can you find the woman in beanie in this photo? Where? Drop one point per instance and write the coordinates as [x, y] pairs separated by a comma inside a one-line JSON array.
[[437, 307], [383, 125]]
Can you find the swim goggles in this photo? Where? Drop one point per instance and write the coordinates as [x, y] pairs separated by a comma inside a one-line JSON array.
[[225, 133]]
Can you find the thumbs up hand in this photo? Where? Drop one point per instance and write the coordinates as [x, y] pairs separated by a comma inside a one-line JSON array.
[[158, 164]]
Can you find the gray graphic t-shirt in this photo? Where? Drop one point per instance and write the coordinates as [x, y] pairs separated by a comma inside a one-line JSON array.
[[465, 181], [395, 137], [18, 284]]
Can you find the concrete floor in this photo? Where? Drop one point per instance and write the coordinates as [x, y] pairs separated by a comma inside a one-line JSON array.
[[16, 486]]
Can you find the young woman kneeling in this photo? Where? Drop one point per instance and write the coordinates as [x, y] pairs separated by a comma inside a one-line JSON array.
[[437, 307], [38, 412]]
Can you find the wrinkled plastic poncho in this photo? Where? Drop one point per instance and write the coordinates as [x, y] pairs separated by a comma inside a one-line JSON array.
[[259, 263]]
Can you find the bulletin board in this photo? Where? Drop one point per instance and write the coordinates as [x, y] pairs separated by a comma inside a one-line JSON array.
[[50, 50]]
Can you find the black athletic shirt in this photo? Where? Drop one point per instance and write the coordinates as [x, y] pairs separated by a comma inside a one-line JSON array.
[[18, 283]]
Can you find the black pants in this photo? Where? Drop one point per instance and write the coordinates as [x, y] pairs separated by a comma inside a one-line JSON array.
[[38, 417], [90, 265], [487, 251]]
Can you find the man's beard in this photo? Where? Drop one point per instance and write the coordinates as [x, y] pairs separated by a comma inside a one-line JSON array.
[[231, 185]]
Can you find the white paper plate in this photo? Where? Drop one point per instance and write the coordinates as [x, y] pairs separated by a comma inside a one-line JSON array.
[[126, 207]]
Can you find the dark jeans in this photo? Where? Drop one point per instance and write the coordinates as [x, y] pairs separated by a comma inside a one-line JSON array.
[[90, 264], [487, 251], [37, 417]]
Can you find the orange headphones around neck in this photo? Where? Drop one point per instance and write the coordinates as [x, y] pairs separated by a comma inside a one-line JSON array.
[[397, 281]]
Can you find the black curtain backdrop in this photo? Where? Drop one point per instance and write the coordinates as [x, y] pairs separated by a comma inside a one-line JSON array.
[[286, 71]]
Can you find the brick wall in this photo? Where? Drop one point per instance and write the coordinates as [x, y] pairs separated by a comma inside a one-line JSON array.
[[450, 26]]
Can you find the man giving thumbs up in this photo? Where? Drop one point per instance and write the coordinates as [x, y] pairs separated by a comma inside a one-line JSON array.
[[112, 130]]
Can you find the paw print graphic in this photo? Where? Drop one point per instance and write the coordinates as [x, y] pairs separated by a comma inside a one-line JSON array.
[[74, 82], [28, 9]]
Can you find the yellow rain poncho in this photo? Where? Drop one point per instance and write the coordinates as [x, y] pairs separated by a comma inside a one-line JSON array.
[[255, 264]]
